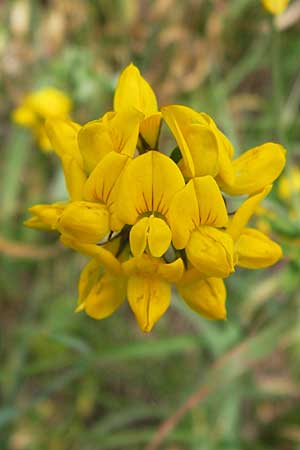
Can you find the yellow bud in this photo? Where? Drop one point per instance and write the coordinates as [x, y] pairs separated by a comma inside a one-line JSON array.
[[85, 221]]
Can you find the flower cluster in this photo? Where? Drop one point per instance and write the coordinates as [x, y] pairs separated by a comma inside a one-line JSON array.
[[38, 106], [149, 219]]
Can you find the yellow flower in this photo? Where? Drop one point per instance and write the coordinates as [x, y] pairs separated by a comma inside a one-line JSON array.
[[275, 6], [114, 132], [253, 249], [102, 284], [39, 106], [134, 92], [147, 223], [205, 296], [255, 169], [149, 287], [146, 190], [197, 215], [100, 292], [205, 149]]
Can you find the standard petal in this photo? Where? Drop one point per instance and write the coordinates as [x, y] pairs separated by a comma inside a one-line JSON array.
[[177, 119], [63, 138], [133, 91], [211, 252], [149, 298], [244, 213], [102, 181], [196, 138], [148, 184], [203, 146], [199, 203], [255, 250], [85, 221], [103, 185], [94, 143], [124, 130], [206, 297], [256, 169]]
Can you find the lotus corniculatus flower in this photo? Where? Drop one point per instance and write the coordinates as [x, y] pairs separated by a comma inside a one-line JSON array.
[[151, 219], [38, 106]]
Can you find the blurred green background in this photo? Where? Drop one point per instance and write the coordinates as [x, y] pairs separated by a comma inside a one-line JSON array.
[[70, 382]]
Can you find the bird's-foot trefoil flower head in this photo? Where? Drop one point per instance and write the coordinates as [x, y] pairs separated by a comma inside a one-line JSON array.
[[150, 221]]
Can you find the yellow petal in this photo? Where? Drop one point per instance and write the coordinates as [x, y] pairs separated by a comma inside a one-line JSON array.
[[171, 272], [114, 132], [36, 224], [124, 130], [75, 177], [150, 128], [102, 180], [256, 251], [105, 296], [91, 272], [151, 231], [94, 143], [85, 221], [275, 6], [244, 213], [256, 168], [211, 252], [138, 236], [206, 297], [97, 252], [133, 91], [196, 139], [159, 236], [46, 215], [199, 203], [63, 137], [148, 298], [103, 185], [148, 184], [226, 171], [147, 266]]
